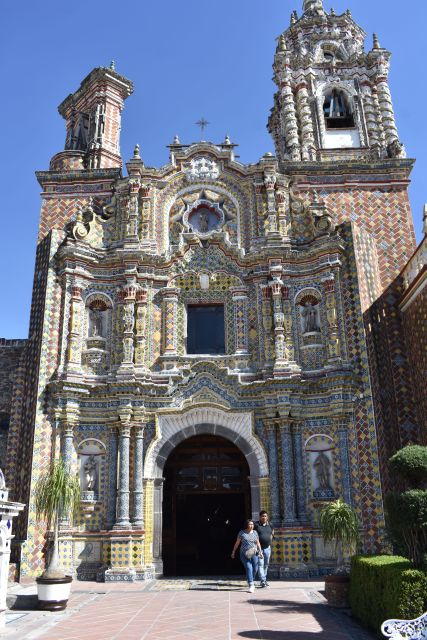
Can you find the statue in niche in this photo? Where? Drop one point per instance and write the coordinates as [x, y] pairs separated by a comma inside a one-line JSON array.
[[90, 469], [309, 315], [95, 323], [322, 467], [203, 221]]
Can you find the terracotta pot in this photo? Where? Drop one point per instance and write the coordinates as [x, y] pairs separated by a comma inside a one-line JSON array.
[[336, 590], [53, 593]]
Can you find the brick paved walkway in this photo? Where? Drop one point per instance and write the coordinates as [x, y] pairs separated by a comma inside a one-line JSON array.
[[186, 610]]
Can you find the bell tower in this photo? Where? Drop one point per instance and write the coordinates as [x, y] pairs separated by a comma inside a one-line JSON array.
[[333, 99], [93, 121]]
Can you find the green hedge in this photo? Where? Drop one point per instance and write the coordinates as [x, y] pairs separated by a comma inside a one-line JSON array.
[[384, 587]]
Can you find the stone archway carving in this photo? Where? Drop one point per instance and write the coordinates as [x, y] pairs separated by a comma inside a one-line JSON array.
[[235, 426], [174, 428]]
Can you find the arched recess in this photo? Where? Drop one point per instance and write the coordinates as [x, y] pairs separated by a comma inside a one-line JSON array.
[[174, 428]]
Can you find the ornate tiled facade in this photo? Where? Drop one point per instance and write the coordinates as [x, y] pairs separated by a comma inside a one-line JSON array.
[[295, 249]]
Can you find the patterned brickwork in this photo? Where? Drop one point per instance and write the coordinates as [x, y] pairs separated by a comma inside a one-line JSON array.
[[415, 331], [383, 214]]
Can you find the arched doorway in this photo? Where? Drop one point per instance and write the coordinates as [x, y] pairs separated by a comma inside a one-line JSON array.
[[206, 497]]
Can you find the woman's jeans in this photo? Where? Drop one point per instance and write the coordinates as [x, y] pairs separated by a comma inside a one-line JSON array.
[[263, 566], [251, 567]]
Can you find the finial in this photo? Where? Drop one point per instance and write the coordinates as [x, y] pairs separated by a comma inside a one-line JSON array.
[[227, 140], [294, 17], [282, 44], [113, 65], [176, 140], [348, 13], [376, 42], [333, 12], [136, 152], [425, 219]]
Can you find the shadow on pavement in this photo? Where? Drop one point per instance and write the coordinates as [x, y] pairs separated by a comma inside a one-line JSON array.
[[323, 614], [22, 602]]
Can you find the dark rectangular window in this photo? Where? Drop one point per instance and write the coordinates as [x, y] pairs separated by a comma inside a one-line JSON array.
[[205, 329]]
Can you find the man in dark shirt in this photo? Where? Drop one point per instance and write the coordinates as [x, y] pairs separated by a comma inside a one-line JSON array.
[[265, 532]]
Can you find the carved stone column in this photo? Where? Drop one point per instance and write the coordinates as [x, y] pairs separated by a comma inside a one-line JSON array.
[[141, 329], [112, 477], [288, 116], [274, 472], [138, 487], [334, 342], [132, 212], [342, 426], [270, 183], [299, 472], [386, 109], [122, 517], [128, 298], [267, 323], [67, 441], [371, 117], [157, 525], [67, 447], [288, 332], [288, 477], [307, 131], [170, 320], [145, 212], [279, 331], [240, 304], [74, 352]]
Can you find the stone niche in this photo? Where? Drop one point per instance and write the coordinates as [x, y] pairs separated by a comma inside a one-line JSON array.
[[320, 461]]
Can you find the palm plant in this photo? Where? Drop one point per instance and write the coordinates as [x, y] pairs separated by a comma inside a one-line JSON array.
[[339, 524], [57, 494]]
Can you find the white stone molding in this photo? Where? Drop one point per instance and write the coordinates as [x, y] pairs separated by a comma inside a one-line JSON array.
[[235, 426]]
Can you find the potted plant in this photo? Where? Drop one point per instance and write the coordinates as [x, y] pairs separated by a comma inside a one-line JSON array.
[[339, 524], [57, 495]]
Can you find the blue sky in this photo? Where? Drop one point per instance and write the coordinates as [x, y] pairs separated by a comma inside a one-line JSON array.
[[187, 59]]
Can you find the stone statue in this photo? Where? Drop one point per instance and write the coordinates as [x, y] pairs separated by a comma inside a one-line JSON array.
[[322, 467], [316, 6], [89, 469], [95, 323], [309, 314], [203, 221]]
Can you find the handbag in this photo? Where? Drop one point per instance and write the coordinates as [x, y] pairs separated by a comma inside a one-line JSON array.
[[250, 553]]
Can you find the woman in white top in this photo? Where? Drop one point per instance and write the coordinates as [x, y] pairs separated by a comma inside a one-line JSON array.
[[250, 550]]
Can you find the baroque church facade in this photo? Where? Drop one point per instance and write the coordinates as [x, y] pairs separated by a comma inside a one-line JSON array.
[[201, 341]]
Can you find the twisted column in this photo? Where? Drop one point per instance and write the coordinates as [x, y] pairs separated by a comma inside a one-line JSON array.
[[387, 112], [289, 121], [138, 487], [307, 131], [371, 117]]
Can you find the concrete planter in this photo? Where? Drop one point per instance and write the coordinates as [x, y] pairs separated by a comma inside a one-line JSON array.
[[53, 593], [336, 590]]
